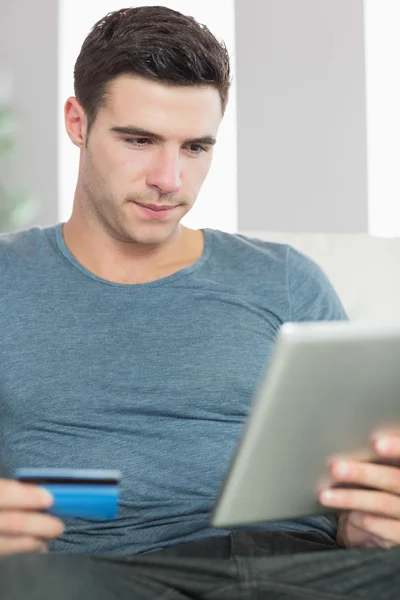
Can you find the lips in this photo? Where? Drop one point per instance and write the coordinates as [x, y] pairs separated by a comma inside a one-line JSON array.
[[155, 207]]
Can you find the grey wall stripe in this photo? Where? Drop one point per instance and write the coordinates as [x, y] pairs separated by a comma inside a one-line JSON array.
[[301, 115]]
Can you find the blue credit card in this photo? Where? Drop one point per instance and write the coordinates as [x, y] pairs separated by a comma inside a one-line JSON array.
[[78, 493]]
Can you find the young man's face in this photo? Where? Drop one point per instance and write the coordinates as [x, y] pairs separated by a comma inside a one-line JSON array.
[[122, 169]]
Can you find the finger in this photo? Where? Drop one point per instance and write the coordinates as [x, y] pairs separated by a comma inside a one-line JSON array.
[[16, 495], [15, 544], [356, 523], [381, 477], [353, 535], [30, 524], [387, 443], [379, 503], [380, 542], [374, 541], [350, 534], [387, 530]]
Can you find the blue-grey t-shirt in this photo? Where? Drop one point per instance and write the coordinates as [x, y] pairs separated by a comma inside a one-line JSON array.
[[153, 379]]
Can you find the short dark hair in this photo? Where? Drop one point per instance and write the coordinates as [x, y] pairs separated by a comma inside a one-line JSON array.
[[153, 42]]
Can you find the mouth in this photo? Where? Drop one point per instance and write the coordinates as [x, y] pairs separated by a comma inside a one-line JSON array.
[[155, 207], [154, 211]]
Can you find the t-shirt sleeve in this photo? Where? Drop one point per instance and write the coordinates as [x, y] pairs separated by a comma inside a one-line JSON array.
[[312, 297]]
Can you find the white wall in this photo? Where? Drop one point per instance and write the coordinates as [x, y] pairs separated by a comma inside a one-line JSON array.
[[216, 206], [382, 53]]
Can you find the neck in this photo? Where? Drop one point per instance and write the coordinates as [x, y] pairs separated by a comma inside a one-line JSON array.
[[130, 262]]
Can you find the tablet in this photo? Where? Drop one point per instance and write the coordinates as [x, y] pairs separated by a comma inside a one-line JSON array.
[[327, 386]]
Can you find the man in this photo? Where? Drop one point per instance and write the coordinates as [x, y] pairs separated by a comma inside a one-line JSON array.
[[132, 342]]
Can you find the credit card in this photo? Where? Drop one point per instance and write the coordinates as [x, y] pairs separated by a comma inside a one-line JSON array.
[[78, 493]]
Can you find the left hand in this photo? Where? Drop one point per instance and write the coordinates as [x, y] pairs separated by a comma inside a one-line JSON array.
[[371, 517]]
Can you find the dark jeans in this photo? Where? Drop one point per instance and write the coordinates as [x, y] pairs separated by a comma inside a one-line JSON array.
[[245, 565]]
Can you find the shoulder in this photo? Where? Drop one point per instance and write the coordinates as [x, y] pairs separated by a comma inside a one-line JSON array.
[[281, 270], [253, 271], [238, 246], [312, 295], [22, 249]]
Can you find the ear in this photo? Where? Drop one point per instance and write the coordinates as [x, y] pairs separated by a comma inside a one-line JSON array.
[[75, 122]]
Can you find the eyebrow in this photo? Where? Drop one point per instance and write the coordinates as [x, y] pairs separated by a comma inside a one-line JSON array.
[[209, 140]]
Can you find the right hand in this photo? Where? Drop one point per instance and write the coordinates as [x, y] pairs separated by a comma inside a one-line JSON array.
[[23, 528], [350, 535]]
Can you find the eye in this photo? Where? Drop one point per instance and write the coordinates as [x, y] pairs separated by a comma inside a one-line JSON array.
[[197, 148], [137, 141]]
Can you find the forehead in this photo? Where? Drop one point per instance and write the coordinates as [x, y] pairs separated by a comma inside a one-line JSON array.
[[188, 110]]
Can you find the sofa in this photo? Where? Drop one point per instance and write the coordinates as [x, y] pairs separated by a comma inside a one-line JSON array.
[[364, 270]]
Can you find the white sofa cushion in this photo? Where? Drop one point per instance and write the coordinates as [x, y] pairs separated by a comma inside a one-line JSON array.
[[364, 270]]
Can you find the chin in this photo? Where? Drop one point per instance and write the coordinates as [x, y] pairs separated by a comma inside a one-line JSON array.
[[152, 235]]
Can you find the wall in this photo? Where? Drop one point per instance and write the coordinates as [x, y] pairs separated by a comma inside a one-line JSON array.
[[300, 110], [301, 115], [28, 45], [382, 50]]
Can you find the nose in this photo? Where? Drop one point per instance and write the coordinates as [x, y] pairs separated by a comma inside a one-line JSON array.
[[166, 172]]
